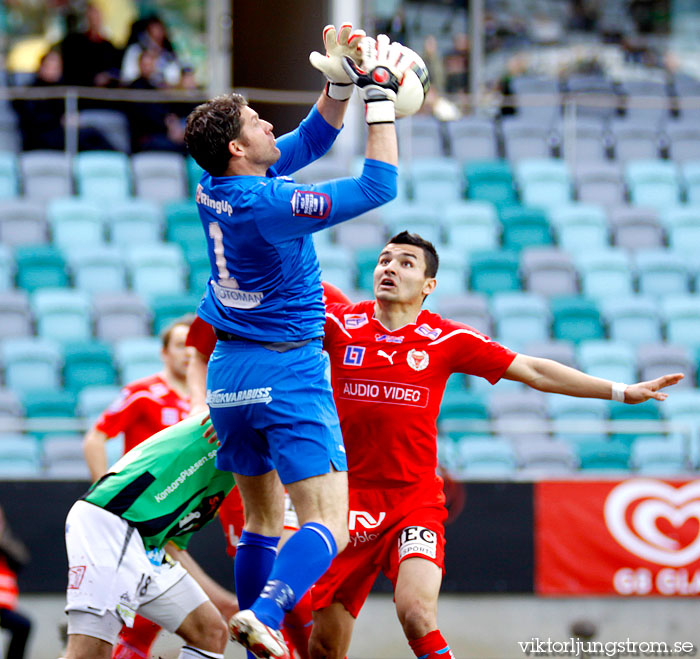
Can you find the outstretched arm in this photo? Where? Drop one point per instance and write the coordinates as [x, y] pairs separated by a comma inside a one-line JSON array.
[[553, 377]]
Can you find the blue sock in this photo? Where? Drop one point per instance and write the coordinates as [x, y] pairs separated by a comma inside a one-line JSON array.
[[255, 556], [302, 560]]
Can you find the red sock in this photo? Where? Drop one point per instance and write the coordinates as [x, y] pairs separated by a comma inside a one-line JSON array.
[[136, 642], [431, 646], [296, 627]]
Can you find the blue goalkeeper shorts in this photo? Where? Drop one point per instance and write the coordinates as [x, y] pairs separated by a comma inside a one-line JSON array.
[[274, 410]]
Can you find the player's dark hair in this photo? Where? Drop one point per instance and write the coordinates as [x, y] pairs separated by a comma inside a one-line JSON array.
[[210, 127], [167, 332], [432, 260]]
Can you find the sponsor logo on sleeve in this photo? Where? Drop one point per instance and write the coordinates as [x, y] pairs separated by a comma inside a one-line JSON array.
[[417, 540], [374, 391], [417, 359], [355, 320], [388, 338], [310, 204], [426, 330], [75, 577], [354, 356]]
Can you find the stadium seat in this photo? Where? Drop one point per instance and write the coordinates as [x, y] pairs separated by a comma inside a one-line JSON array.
[[10, 137], [681, 316], [194, 175], [183, 226], [102, 175], [31, 363], [611, 360], [575, 319], [520, 318], [634, 140], [420, 136], [63, 458], [522, 415], [88, 363], [682, 409], [199, 269], [337, 266], [691, 179], [638, 415], [97, 268], [661, 273], [94, 399], [486, 459], [646, 101], [524, 227], [167, 308], [436, 180], [636, 228], [137, 358], [605, 273], [599, 183], [490, 180], [135, 221], [682, 224], [536, 97], [40, 266], [9, 178], [73, 219], [20, 457], [582, 86], [7, 268], [543, 183], [15, 314], [472, 138], [366, 230], [653, 183], [462, 413], [548, 271], [586, 141], [421, 218], [545, 458], [657, 359], [49, 411], [11, 412], [159, 176], [46, 175], [580, 227], [365, 262], [62, 314], [658, 456], [120, 315], [471, 225], [111, 124], [469, 308], [683, 141], [577, 420], [22, 222], [494, 272], [634, 319], [603, 456], [156, 269], [526, 138], [452, 278]]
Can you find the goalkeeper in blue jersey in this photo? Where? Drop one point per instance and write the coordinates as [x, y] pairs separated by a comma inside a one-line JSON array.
[[270, 399]]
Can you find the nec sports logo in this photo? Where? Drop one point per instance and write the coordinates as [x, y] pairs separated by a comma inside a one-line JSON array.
[[354, 356]]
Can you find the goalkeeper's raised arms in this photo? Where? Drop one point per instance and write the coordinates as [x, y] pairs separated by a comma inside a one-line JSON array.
[[343, 43]]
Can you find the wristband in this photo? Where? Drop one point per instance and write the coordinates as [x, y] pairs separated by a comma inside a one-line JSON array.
[[339, 91], [618, 391], [380, 112]]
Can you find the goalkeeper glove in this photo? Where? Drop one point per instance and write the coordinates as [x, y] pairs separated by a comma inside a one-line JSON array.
[[344, 43]]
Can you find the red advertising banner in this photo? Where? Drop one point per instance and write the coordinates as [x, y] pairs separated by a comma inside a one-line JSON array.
[[639, 536]]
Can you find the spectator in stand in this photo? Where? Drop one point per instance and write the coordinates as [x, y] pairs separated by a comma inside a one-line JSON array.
[[89, 59], [457, 65], [151, 35], [13, 556]]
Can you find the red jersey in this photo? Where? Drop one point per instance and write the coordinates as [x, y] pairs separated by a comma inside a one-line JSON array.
[[143, 408], [388, 387], [201, 335]]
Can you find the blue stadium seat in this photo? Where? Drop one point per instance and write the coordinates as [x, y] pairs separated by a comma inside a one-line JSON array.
[[471, 225], [683, 140], [580, 227], [337, 266], [436, 180], [543, 182], [31, 363], [20, 457], [420, 136], [135, 221], [472, 138], [452, 274], [526, 138], [681, 316], [102, 175], [605, 272], [661, 272], [577, 420], [76, 220], [94, 399], [156, 269], [634, 140], [612, 360], [520, 318], [97, 268], [137, 358], [682, 224], [653, 183], [658, 457], [691, 178], [634, 319], [421, 218], [62, 314], [486, 459]]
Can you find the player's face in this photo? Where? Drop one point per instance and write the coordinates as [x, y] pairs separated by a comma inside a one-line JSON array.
[[257, 139], [176, 356], [400, 275]]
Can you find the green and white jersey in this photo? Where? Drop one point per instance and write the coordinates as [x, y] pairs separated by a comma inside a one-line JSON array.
[[166, 487]]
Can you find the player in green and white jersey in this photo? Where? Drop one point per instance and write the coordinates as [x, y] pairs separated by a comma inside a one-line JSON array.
[[158, 494]]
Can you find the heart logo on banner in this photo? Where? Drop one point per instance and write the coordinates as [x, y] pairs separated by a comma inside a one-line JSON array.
[[655, 500]]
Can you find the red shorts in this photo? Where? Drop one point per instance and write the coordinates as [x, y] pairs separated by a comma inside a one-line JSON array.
[[386, 526]]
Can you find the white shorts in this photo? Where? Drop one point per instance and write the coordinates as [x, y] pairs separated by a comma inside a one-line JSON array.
[[109, 571]]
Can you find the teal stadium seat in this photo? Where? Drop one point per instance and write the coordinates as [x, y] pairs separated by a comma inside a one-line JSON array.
[[49, 411], [607, 456], [62, 314], [31, 363], [135, 221], [102, 175], [183, 226], [198, 269], [653, 183], [458, 412], [490, 180], [20, 457], [575, 319], [86, 364], [489, 459], [74, 219], [194, 174], [167, 308], [40, 266], [94, 399], [577, 420], [494, 272], [471, 225], [9, 178], [365, 263], [524, 227], [436, 180], [639, 414], [337, 266]]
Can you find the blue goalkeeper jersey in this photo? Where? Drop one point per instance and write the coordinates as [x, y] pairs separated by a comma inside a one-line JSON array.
[[265, 280]]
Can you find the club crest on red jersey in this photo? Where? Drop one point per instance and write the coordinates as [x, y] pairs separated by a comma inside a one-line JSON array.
[[355, 320], [426, 330], [417, 359]]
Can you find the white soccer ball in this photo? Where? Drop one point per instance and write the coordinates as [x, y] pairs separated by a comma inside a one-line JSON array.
[[414, 86]]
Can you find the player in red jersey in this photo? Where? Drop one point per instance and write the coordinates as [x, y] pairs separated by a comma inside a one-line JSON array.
[[390, 361], [202, 340], [143, 408]]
